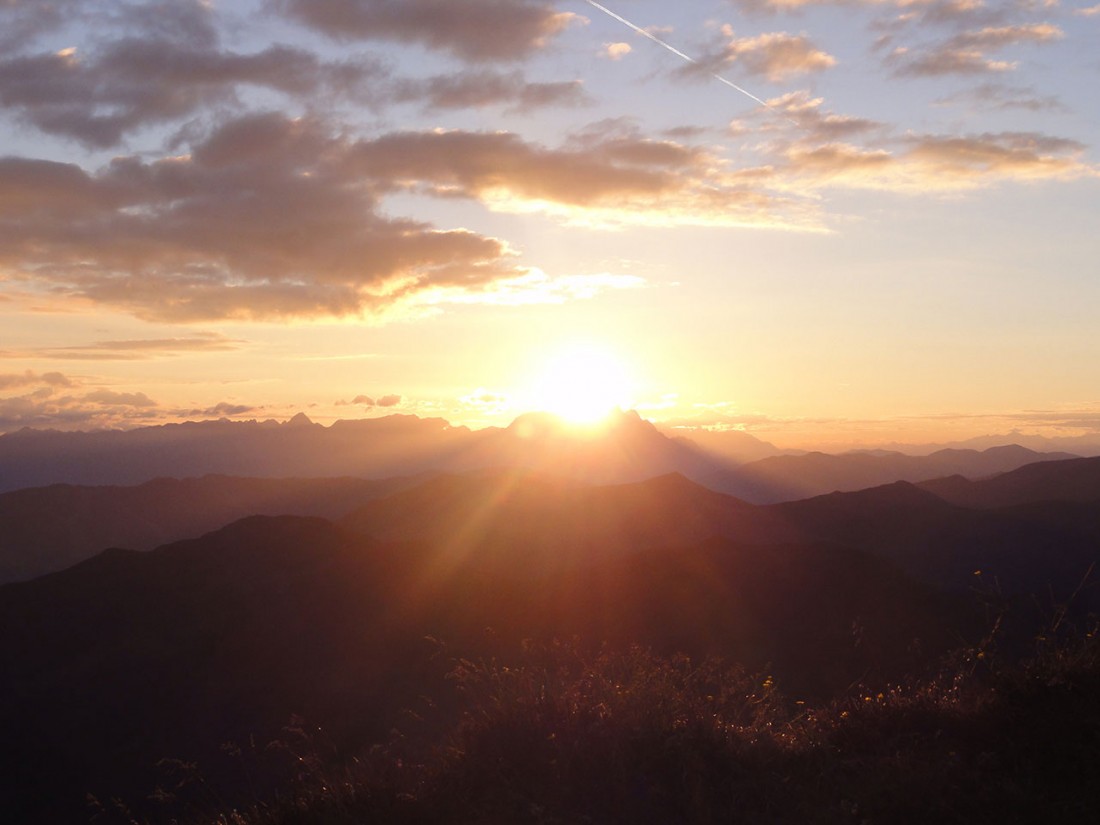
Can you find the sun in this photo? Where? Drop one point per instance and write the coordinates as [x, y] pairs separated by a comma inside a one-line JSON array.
[[580, 383]]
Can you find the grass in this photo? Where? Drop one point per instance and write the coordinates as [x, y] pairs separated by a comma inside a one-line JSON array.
[[558, 735]]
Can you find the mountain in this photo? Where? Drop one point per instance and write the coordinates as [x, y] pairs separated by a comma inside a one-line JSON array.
[[128, 657], [1043, 552], [734, 446], [1069, 480], [43, 529], [397, 445], [791, 477], [623, 448], [566, 518]]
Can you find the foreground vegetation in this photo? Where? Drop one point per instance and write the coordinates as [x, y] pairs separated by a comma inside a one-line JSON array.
[[563, 736]]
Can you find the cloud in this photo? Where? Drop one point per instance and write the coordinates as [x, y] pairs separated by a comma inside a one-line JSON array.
[[831, 151], [1090, 11], [138, 81], [222, 409], [929, 163], [30, 379], [777, 56], [604, 176], [24, 21], [273, 217], [616, 51], [369, 401], [44, 406], [476, 30], [266, 218], [966, 52], [819, 126], [134, 350], [120, 399], [999, 96], [478, 89]]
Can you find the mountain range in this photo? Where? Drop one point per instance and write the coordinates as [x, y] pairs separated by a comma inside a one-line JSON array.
[[624, 448], [225, 606]]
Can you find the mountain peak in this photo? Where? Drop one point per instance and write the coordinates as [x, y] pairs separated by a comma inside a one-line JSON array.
[[300, 420]]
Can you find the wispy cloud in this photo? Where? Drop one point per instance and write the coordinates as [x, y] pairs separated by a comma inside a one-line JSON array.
[[776, 56], [133, 350], [967, 52], [833, 151]]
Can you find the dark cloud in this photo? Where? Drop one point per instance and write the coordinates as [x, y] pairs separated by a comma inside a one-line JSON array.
[[136, 82], [477, 89], [267, 218], [369, 401], [473, 164], [472, 29], [23, 21], [223, 409], [187, 21], [271, 216]]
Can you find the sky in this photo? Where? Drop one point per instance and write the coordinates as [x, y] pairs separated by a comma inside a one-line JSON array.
[[820, 222]]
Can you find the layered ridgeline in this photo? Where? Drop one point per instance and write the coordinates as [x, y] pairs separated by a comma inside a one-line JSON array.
[[928, 528], [622, 449], [132, 657]]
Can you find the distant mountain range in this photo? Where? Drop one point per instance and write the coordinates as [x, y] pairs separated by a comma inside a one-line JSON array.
[[789, 477], [43, 529], [627, 449], [85, 506]]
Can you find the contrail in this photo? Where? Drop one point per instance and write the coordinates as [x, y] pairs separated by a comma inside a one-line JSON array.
[[682, 56]]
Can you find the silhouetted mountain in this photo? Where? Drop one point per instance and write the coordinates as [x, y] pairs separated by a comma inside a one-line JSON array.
[[790, 477], [731, 445], [43, 529], [1044, 552], [511, 508], [1070, 480], [1080, 445], [130, 657], [397, 445], [624, 448]]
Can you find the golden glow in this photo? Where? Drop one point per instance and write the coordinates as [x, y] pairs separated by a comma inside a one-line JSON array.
[[580, 383]]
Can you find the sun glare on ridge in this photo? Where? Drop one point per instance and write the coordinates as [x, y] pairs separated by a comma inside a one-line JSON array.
[[581, 383]]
